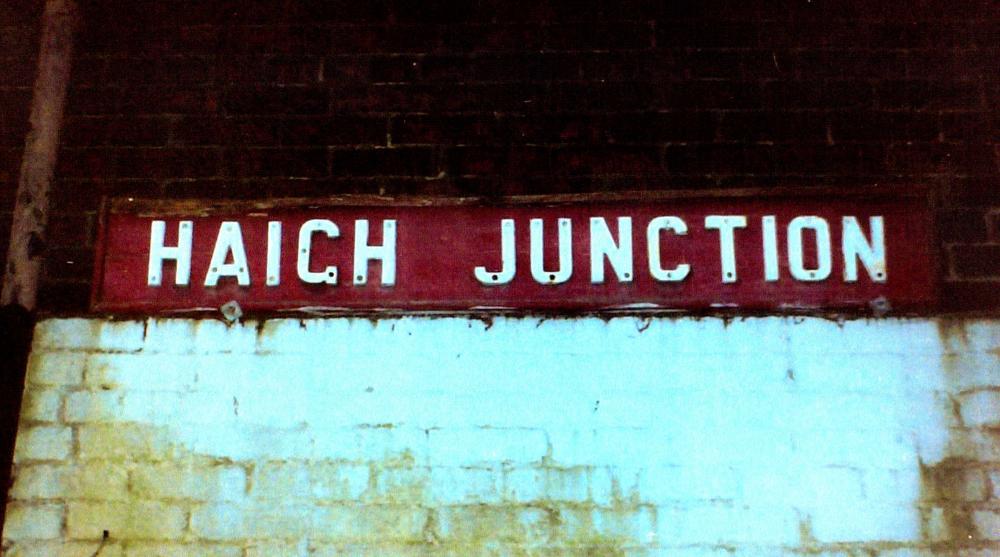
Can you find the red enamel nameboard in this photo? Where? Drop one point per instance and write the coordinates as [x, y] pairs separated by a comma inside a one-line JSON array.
[[641, 252]]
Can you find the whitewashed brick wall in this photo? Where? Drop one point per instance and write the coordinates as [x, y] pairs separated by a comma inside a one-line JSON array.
[[449, 436]]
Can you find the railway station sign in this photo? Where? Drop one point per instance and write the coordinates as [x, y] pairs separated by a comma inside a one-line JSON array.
[[752, 251]]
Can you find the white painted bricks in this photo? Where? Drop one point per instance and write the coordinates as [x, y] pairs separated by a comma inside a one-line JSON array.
[[981, 408], [30, 521], [451, 436], [43, 443]]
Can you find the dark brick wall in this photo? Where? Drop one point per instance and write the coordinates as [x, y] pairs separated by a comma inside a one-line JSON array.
[[182, 98]]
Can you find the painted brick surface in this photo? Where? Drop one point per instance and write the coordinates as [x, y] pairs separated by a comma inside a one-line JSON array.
[[517, 436]]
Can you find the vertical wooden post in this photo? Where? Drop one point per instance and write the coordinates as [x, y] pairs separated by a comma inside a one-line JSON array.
[[31, 208]]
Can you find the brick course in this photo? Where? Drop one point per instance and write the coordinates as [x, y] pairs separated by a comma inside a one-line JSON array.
[[179, 99]]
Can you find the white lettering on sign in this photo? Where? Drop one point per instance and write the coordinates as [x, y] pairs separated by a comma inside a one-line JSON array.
[[796, 263], [327, 275], [855, 246], [656, 270], [229, 242], [602, 245], [508, 258], [727, 241], [274, 253], [769, 229], [386, 253], [565, 270], [181, 253], [808, 241]]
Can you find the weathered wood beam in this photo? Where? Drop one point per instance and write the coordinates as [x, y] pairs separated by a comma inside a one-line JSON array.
[[31, 209]]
